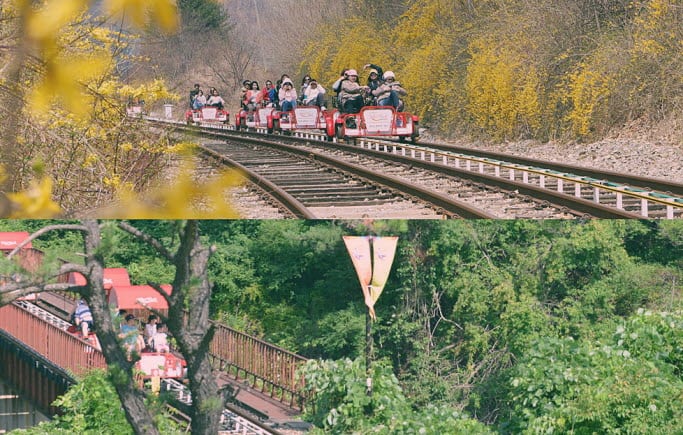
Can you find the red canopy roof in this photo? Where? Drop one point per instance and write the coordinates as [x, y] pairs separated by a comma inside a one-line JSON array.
[[138, 297], [113, 277], [9, 241]]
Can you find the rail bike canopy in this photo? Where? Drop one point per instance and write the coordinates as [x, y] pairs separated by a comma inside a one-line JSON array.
[[10, 240], [139, 299], [113, 277]]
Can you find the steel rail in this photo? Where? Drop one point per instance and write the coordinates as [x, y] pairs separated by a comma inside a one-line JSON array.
[[646, 197], [572, 202], [643, 182], [442, 201], [280, 195], [578, 204]]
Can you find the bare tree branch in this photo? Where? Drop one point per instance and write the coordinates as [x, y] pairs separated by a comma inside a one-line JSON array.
[[42, 231]]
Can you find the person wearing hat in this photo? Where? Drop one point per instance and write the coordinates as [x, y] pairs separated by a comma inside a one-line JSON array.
[[351, 95], [375, 77], [314, 95], [287, 95], [336, 87], [390, 92]]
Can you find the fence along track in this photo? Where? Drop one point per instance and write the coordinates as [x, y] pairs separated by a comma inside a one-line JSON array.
[[617, 191]]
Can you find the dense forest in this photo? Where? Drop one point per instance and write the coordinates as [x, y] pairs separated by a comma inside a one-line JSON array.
[[502, 326], [493, 70]]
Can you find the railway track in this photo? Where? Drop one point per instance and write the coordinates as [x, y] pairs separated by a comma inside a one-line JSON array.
[[316, 186], [484, 184]]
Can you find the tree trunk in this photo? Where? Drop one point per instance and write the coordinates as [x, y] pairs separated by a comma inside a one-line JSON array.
[[191, 263], [132, 398], [192, 330]]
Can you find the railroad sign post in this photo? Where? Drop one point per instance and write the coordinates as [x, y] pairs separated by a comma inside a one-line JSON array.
[[373, 272]]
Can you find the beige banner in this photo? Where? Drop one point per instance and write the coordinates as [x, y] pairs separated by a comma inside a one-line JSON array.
[[359, 250], [373, 272], [383, 249]]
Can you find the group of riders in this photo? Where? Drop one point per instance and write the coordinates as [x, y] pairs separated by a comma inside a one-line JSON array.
[[381, 89], [154, 337]]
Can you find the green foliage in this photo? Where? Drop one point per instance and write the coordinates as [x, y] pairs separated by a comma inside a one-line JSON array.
[[144, 265], [593, 251], [469, 307], [341, 404], [341, 334], [92, 407], [201, 15], [629, 380]]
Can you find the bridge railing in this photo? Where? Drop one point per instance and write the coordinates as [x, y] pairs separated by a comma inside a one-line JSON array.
[[58, 346], [266, 367]]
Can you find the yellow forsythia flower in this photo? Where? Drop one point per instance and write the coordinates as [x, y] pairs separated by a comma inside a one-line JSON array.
[[35, 202]]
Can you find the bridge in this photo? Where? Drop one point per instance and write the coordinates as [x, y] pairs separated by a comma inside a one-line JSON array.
[[42, 359]]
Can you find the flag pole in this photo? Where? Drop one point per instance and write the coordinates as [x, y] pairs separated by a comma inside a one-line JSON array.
[[368, 350], [371, 257], [368, 337]]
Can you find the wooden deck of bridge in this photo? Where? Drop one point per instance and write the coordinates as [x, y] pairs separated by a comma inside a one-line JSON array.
[[279, 414]]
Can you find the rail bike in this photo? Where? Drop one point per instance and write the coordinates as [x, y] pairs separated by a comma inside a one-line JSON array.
[[207, 114], [377, 121], [261, 117], [306, 118], [138, 300], [151, 363], [135, 111]]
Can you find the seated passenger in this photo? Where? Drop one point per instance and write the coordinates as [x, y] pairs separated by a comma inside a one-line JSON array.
[[130, 336], [389, 92], [351, 95], [199, 100], [304, 85], [253, 97], [336, 87], [271, 92], [375, 78], [193, 93], [314, 95], [246, 87], [82, 317], [159, 343], [215, 100], [287, 96], [150, 329]]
